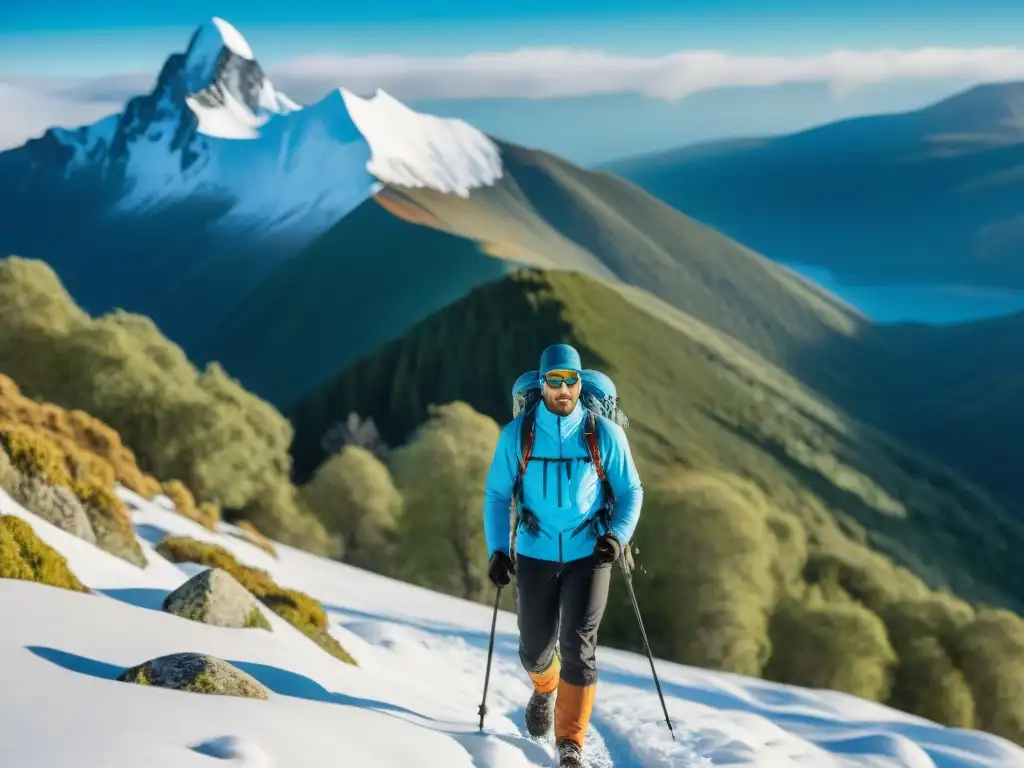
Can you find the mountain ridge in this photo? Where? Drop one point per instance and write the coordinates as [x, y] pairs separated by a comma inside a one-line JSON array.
[[923, 196], [319, 300], [149, 198], [696, 399]]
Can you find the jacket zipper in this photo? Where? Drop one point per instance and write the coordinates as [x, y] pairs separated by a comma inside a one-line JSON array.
[[559, 546], [558, 469]]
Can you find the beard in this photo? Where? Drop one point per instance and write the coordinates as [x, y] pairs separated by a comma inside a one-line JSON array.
[[561, 407]]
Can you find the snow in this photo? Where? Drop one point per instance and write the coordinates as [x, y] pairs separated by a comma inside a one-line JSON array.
[[232, 39], [219, 87], [413, 149], [208, 45], [277, 168], [309, 167], [411, 701]]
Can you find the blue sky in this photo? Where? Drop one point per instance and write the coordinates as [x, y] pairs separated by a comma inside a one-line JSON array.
[[627, 81], [61, 37], [629, 66]]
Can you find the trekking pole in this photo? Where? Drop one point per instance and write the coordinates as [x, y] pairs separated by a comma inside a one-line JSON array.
[[647, 646], [490, 653]]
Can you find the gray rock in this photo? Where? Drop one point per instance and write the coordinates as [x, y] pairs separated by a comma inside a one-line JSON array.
[[56, 505], [197, 673], [214, 596]]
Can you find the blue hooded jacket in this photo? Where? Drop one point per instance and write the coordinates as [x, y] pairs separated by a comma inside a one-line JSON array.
[[560, 494]]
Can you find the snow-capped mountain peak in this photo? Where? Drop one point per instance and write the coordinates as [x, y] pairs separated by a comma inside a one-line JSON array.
[[215, 132], [227, 89], [213, 36]]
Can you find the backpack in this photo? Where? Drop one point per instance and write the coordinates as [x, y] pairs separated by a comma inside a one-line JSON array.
[[599, 397]]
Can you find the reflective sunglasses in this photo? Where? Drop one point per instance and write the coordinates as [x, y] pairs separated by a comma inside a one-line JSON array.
[[555, 381]]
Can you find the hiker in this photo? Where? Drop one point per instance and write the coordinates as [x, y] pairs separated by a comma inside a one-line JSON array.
[[567, 538]]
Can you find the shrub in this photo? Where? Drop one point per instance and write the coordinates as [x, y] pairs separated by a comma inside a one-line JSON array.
[[790, 544], [201, 427], [206, 514], [78, 433], [867, 576], [991, 652], [441, 473], [352, 494], [33, 455], [280, 513], [838, 645], [23, 555], [9, 476], [929, 684], [708, 580], [253, 535], [297, 608]]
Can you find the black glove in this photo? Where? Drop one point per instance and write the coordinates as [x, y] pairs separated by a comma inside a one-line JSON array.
[[608, 549], [499, 568]]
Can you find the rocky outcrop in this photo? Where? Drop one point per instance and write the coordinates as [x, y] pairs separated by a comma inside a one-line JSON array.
[[56, 505], [215, 597], [197, 673]]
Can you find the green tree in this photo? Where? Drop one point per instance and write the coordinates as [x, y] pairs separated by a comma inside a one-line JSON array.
[[278, 512], [441, 473], [834, 644], [991, 650], [928, 681], [353, 494], [790, 541], [707, 575], [203, 428], [929, 684]]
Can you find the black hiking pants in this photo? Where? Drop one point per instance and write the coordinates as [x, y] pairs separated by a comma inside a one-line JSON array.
[[561, 602]]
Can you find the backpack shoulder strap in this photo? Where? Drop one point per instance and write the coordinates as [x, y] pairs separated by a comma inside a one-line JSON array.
[[604, 514], [593, 446], [526, 437]]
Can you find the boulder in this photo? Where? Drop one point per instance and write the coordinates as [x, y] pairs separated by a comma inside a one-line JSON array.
[[197, 673], [56, 505], [214, 596]]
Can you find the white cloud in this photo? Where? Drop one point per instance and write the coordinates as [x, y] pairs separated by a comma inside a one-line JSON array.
[[562, 72], [28, 112], [30, 105]]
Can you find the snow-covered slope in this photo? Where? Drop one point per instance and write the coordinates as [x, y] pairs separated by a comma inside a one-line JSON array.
[[411, 149], [412, 701], [215, 127]]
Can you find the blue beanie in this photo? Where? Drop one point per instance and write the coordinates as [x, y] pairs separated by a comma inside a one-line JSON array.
[[559, 357]]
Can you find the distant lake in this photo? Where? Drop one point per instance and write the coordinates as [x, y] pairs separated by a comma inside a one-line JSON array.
[[936, 304]]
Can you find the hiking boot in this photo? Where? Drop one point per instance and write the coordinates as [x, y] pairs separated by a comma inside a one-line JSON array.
[[569, 754], [540, 713], [540, 710]]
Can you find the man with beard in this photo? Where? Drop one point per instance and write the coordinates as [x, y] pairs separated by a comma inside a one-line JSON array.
[[578, 495]]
